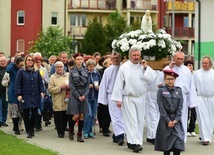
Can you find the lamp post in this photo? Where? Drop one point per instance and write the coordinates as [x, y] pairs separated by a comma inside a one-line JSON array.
[[74, 43], [173, 19]]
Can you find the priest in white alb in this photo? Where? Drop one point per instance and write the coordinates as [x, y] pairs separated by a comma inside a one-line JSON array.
[[104, 97], [204, 84], [130, 94]]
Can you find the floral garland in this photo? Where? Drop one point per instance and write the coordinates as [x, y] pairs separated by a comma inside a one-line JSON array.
[[158, 44]]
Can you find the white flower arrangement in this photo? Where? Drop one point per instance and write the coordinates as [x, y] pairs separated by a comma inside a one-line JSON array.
[[158, 44]]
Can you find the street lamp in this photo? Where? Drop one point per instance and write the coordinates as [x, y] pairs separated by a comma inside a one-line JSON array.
[[73, 44]]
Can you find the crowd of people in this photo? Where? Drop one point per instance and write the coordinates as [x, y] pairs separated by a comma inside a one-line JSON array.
[[87, 89]]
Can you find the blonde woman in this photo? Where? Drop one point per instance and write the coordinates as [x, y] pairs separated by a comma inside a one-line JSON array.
[[30, 91]]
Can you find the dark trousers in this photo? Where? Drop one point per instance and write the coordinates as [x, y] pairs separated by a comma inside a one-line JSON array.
[[39, 121], [104, 117], [3, 109], [29, 117], [192, 116], [60, 120]]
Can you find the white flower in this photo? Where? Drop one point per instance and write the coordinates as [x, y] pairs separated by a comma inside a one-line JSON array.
[[125, 47], [132, 41], [113, 45], [161, 43], [158, 44]]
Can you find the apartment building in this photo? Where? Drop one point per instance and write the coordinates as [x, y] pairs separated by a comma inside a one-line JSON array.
[[23, 19]]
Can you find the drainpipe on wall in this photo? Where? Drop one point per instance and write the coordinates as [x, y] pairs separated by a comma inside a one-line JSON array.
[[199, 32]]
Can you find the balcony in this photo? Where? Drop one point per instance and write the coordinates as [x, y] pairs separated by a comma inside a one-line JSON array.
[[111, 4], [78, 31], [92, 4], [182, 32], [141, 4], [181, 6]]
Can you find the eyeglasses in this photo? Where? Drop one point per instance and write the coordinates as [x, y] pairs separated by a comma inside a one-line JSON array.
[[59, 67], [115, 58], [170, 79], [30, 60]]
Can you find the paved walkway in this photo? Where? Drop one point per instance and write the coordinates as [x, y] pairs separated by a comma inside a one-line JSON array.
[[47, 138]]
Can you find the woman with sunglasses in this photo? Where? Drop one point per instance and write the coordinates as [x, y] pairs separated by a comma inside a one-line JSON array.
[[29, 90]]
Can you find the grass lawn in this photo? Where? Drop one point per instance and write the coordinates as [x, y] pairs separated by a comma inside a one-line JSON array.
[[10, 145]]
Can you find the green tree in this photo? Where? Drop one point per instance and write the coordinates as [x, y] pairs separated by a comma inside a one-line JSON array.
[[94, 38], [114, 28], [51, 42]]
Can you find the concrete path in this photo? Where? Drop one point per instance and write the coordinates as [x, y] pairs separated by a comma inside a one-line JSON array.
[[47, 138]]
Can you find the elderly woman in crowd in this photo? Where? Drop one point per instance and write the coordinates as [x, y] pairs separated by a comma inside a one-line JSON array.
[[78, 102], [30, 91], [94, 78], [58, 86]]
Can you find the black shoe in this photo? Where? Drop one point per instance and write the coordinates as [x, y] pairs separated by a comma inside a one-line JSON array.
[[61, 136], [120, 142], [29, 135], [136, 148], [47, 123], [4, 124], [150, 140], [130, 146], [106, 135], [17, 132]]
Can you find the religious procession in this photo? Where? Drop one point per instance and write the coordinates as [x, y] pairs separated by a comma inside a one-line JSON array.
[[127, 94]]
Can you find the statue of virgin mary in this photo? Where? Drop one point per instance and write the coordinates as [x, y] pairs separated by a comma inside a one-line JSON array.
[[146, 24]]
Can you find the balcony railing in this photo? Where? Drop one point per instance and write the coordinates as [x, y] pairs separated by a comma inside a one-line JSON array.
[[92, 4], [181, 6], [77, 30], [111, 4], [142, 4], [183, 32]]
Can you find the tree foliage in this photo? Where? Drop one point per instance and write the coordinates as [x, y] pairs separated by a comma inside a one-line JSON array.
[[94, 38], [51, 42], [114, 28], [98, 38]]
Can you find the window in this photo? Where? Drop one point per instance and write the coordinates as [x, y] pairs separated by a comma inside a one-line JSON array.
[[186, 20], [83, 20], [54, 18], [20, 45], [20, 18], [72, 20], [78, 20], [131, 20], [193, 21]]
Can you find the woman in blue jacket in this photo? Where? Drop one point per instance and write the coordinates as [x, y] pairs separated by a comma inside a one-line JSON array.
[[29, 90], [12, 69]]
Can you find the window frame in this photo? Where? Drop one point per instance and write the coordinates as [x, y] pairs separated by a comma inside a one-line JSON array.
[[57, 20], [17, 45], [18, 17]]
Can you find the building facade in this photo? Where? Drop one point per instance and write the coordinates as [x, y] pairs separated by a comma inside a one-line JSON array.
[[204, 40], [24, 19], [184, 23]]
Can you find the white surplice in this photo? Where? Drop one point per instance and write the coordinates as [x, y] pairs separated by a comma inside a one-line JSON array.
[[130, 88], [185, 82], [104, 97], [152, 113], [204, 84]]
